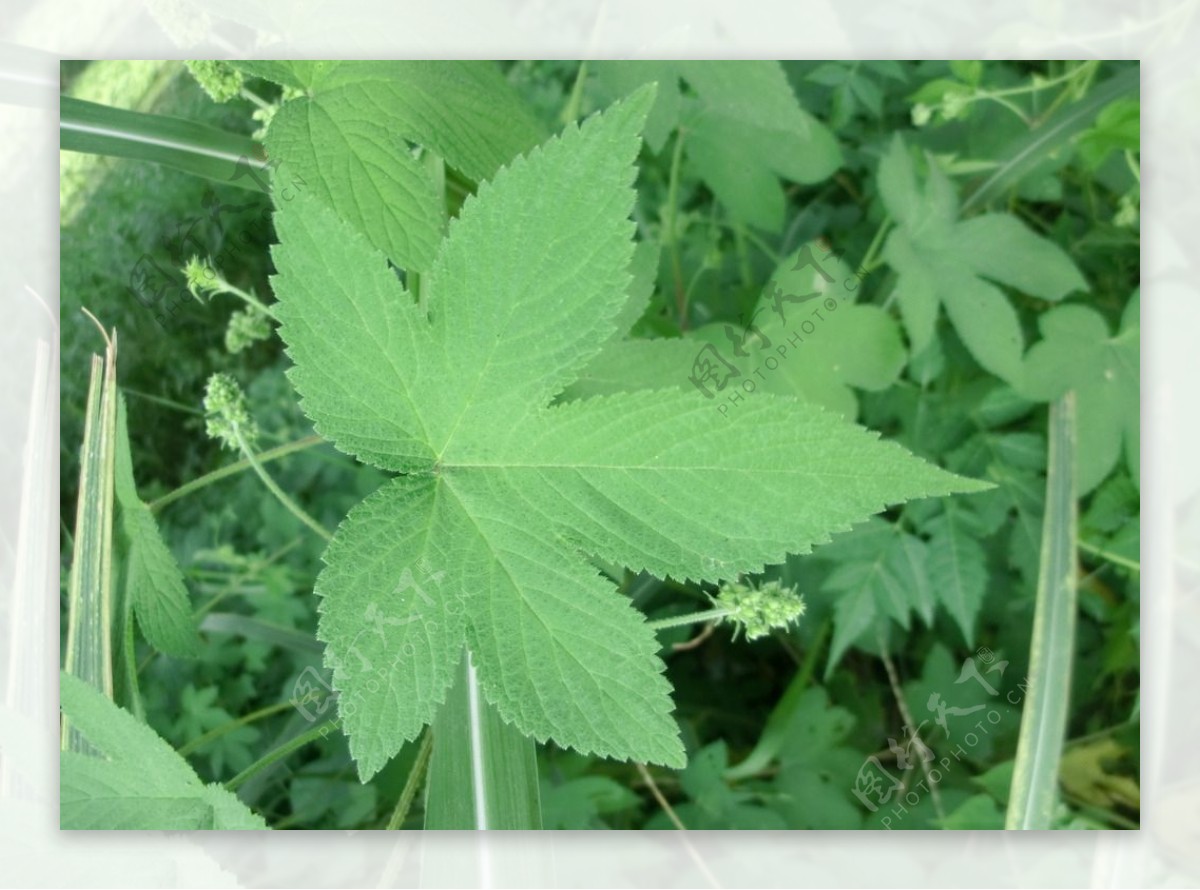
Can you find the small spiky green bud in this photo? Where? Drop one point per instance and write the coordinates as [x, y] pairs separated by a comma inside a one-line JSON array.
[[202, 279], [759, 610], [221, 81], [246, 327], [264, 116], [227, 418]]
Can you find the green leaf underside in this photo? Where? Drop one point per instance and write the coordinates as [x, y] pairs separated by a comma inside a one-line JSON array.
[[346, 141], [153, 579], [483, 543], [138, 781], [942, 261]]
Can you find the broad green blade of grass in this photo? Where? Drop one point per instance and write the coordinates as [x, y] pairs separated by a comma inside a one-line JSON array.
[[1025, 153], [483, 774], [1044, 721], [193, 148], [90, 589]]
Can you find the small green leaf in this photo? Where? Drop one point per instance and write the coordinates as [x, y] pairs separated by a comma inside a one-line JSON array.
[[957, 567], [153, 582], [817, 769], [776, 137], [878, 570], [808, 338], [1078, 353], [1117, 128], [943, 261], [1004, 250]]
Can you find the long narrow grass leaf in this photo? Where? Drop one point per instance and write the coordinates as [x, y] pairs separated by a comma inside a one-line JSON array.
[[1044, 723], [185, 145], [90, 601], [484, 771]]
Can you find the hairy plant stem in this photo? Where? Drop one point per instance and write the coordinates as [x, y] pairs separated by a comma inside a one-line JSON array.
[[319, 731], [690, 618], [226, 728], [415, 776], [280, 495], [233, 469]]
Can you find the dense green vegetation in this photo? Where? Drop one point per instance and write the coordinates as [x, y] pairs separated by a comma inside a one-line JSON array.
[[633, 357]]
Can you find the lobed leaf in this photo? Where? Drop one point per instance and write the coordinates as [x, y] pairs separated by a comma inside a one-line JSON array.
[[483, 545], [943, 261]]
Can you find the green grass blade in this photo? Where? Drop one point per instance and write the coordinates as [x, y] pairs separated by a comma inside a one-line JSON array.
[[1044, 722], [1029, 150], [90, 588], [256, 629], [191, 147], [483, 774]]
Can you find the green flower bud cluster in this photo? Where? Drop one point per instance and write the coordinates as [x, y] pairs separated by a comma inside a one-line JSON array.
[[221, 81], [227, 418], [758, 610], [246, 327]]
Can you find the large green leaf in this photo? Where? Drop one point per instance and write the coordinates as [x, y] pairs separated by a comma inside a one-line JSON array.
[[137, 781], [942, 261], [346, 140], [481, 544]]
